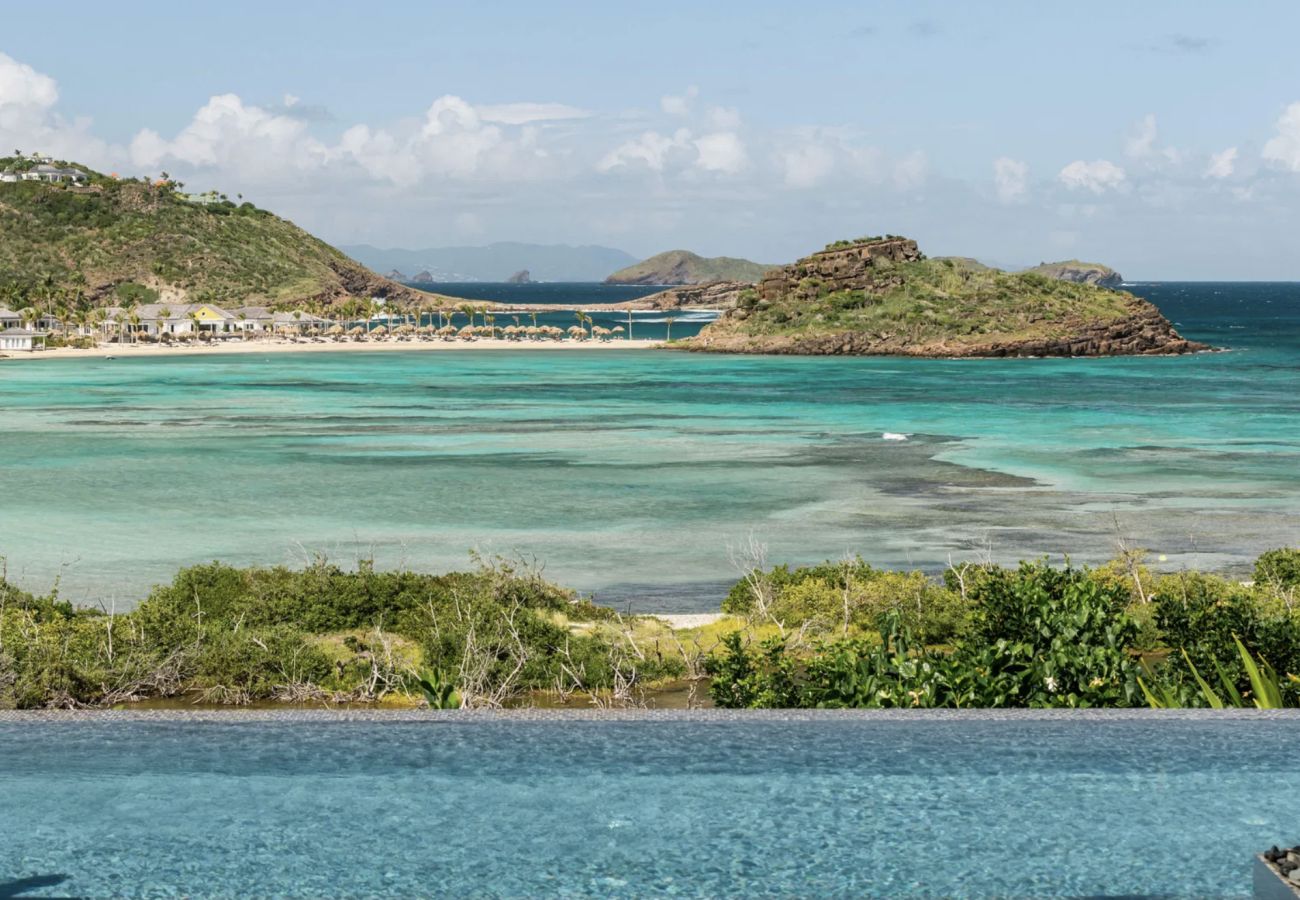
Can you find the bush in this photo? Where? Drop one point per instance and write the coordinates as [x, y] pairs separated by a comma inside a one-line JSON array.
[[1279, 567]]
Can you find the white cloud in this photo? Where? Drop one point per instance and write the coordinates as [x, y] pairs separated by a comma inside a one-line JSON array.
[[29, 122], [651, 149], [524, 113], [724, 118], [1010, 178], [722, 151], [1097, 176], [1142, 140], [679, 105], [1284, 148], [804, 165], [1222, 164], [227, 132], [910, 171]]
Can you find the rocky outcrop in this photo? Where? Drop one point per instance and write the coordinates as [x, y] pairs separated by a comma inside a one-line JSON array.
[[523, 276], [395, 275], [423, 277], [838, 269], [714, 295]]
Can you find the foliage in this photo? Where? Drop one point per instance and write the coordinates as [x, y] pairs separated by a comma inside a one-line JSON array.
[[1279, 567], [850, 596], [227, 634], [437, 688], [1039, 637]]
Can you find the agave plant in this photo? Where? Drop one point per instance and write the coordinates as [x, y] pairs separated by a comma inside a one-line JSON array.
[[438, 690], [1265, 685]]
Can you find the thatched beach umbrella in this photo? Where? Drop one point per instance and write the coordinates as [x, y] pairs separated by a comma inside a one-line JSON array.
[[447, 331], [336, 330], [380, 331], [577, 332], [466, 333], [618, 329], [357, 332], [600, 332]]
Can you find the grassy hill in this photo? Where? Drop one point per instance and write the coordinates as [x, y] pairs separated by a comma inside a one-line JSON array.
[[87, 245], [685, 267], [884, 297]]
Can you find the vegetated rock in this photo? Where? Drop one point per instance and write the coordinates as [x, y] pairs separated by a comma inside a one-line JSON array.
[[521, 277], [833, 303], [685, 267], [843, 268]]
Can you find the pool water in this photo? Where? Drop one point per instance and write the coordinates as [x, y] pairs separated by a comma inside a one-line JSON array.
[[801, 805]]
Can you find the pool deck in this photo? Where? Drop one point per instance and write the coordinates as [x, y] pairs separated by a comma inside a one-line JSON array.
[[299, 715]]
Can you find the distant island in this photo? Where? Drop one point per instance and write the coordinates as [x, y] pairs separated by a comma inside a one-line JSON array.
[[520, 277], [685, 267], [1079, 272], [880, 295], [495, 262]]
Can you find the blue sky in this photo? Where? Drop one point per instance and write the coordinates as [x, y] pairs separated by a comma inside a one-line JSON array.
[[1161, 137]]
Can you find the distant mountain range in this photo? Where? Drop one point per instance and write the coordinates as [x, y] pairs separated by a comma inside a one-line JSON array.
[[496, 262]]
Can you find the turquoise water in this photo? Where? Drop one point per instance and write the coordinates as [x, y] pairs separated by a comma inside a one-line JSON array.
[[825, 808], [632, 473]]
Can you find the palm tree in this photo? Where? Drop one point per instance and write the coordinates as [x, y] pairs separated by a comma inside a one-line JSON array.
[[582, 317], [629, 324], [534, 315], [669, 322]]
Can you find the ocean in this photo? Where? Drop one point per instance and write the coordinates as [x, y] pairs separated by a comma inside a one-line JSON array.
[[638, 476]]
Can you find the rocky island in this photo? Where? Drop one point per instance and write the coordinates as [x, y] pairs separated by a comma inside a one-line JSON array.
[[881, 296], [685, 267], [1080, 273], [523, 276]]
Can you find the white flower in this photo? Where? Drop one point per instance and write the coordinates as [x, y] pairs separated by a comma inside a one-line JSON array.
[[1051, 684]]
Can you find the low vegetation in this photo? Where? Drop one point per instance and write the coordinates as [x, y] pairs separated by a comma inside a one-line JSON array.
[[227, 635], [935, 300], [837, 634], [1033, 636]]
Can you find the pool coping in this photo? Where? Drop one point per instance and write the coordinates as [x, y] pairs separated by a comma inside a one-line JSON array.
[[326, 715]]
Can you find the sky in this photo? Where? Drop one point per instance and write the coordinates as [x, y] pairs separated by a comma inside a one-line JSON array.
[[1162, 138]]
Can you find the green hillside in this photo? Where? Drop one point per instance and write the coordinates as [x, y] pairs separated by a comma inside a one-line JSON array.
[[110, 237], [685, 267]]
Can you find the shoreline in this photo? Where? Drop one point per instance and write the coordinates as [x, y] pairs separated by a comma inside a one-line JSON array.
[[164, 351]]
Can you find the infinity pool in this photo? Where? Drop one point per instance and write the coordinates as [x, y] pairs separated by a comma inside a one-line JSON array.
[[736, 805]]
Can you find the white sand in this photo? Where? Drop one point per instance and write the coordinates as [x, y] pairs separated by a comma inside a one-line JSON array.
[[162, 351]]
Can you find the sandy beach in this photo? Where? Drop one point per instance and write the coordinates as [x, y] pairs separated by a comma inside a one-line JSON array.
[[162, 351]]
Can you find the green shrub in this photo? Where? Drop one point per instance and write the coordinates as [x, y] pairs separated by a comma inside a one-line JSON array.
[[1279, 567]]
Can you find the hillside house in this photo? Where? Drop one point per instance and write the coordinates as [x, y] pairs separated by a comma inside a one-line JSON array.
[[54, 174]]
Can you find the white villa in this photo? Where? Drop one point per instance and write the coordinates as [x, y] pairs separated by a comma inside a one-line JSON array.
[[20, 339], [46, 171], [169, 318], [156, 319], [261, 318], [10, 319]]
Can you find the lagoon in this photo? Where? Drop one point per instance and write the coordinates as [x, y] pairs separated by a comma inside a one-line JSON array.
[[631, 474], [1077, 804]]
